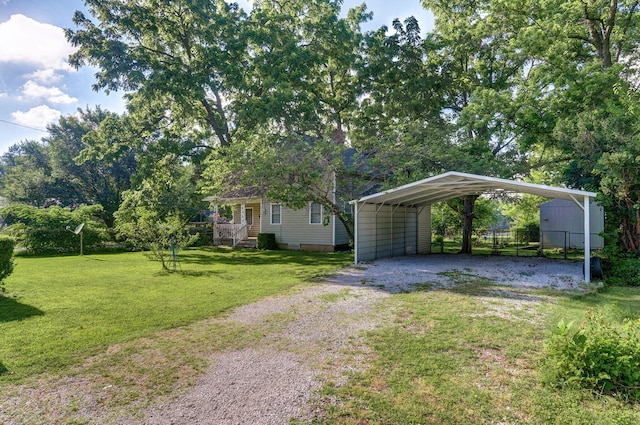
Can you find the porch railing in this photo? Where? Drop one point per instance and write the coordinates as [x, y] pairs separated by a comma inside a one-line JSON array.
[[234, 232]]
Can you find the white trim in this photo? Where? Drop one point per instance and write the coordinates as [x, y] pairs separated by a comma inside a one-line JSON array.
[[321, 213], [355, 233], [587, 241], [271, 214], [454, 184]]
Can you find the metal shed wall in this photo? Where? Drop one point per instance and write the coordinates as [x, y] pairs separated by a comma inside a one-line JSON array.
[[391, 230], [562, 222]]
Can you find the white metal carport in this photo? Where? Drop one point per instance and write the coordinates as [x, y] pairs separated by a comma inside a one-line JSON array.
[[398, 221]]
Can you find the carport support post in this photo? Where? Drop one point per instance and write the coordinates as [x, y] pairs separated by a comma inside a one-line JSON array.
[[587, 241]]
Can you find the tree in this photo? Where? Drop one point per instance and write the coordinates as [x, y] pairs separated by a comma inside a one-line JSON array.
[[584, 76], [294, 172], [153, 216], [27, 175], [98, 181], [7, 246], [301, 91], [48, 230], [52, 172], [180, 61]]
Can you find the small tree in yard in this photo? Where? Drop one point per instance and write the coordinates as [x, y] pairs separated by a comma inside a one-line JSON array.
[[153, 217], [161, 237], [7, 245]]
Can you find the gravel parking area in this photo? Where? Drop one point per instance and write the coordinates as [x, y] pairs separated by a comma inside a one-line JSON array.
[[276, 382], [400, 273]]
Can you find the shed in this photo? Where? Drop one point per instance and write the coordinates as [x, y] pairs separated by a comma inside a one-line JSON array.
[[562, 225], [397, 221]]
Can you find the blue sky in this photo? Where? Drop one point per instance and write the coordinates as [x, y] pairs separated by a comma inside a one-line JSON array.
[[37, 85]]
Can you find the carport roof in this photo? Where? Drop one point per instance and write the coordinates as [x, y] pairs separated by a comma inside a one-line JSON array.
[[454, 184]]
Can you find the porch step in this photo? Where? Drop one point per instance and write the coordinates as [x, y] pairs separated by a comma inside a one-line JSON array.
[[245, 244]]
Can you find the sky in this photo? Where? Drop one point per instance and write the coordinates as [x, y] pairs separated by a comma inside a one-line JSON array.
[[37, 85]]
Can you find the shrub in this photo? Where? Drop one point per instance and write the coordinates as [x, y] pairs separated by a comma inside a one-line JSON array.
[[266, 241], [622, 271], [597, 356], [7, 246], [47, 230]]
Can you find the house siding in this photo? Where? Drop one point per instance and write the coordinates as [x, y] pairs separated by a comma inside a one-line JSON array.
[[342, 237], [295, 232]]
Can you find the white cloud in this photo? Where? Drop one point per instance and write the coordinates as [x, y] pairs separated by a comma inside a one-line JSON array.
[[37, 117], [3, 95], [33, 90], [45, 76], [35, 43]]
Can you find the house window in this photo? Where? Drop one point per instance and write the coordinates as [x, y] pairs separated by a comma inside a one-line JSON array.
[[315, 214], [276, 214], [248, 214]]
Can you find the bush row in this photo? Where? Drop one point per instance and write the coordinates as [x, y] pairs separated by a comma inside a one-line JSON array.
[[50, 230]]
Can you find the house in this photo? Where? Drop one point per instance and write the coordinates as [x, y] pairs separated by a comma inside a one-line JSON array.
[[311, 228]]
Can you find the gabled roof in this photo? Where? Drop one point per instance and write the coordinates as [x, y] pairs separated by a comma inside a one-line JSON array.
[[454, 184]]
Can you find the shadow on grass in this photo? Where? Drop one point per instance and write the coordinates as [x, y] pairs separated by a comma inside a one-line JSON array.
[[11, 309], [257, 258], [3, 369]]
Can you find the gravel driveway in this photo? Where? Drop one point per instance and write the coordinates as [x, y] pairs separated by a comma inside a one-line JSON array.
[[275, 382], [316, 338]]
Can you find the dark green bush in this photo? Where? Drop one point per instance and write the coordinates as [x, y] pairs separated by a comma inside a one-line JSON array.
[[622, 271], [598, 356], [50, 230], [7, 246], [267, 241]]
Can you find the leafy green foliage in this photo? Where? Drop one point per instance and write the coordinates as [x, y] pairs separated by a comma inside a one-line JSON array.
[[7, 245], [597, 355], [154, 216], [622, 270], [53, 171], [267, 241], [50, 230]]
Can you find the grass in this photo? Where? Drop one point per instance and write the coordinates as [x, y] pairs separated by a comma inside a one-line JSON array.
[[130, 334], [59, 311], [469, 355], [486, 248]]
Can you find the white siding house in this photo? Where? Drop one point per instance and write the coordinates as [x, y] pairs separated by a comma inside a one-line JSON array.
[[311, 228]]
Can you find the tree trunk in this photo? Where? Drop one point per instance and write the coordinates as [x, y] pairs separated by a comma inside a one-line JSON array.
[[467, 227]]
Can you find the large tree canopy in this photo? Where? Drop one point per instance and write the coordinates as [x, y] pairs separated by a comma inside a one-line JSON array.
[[499, 87], [51, 172]]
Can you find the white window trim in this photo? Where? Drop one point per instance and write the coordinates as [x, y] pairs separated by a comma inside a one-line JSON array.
[[271, 214], [321, 213]]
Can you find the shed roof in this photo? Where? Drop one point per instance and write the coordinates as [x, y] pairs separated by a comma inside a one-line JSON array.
[[454, 184]]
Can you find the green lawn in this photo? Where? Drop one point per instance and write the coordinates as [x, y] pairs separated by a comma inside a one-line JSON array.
[[58, 311], [471, 356]]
